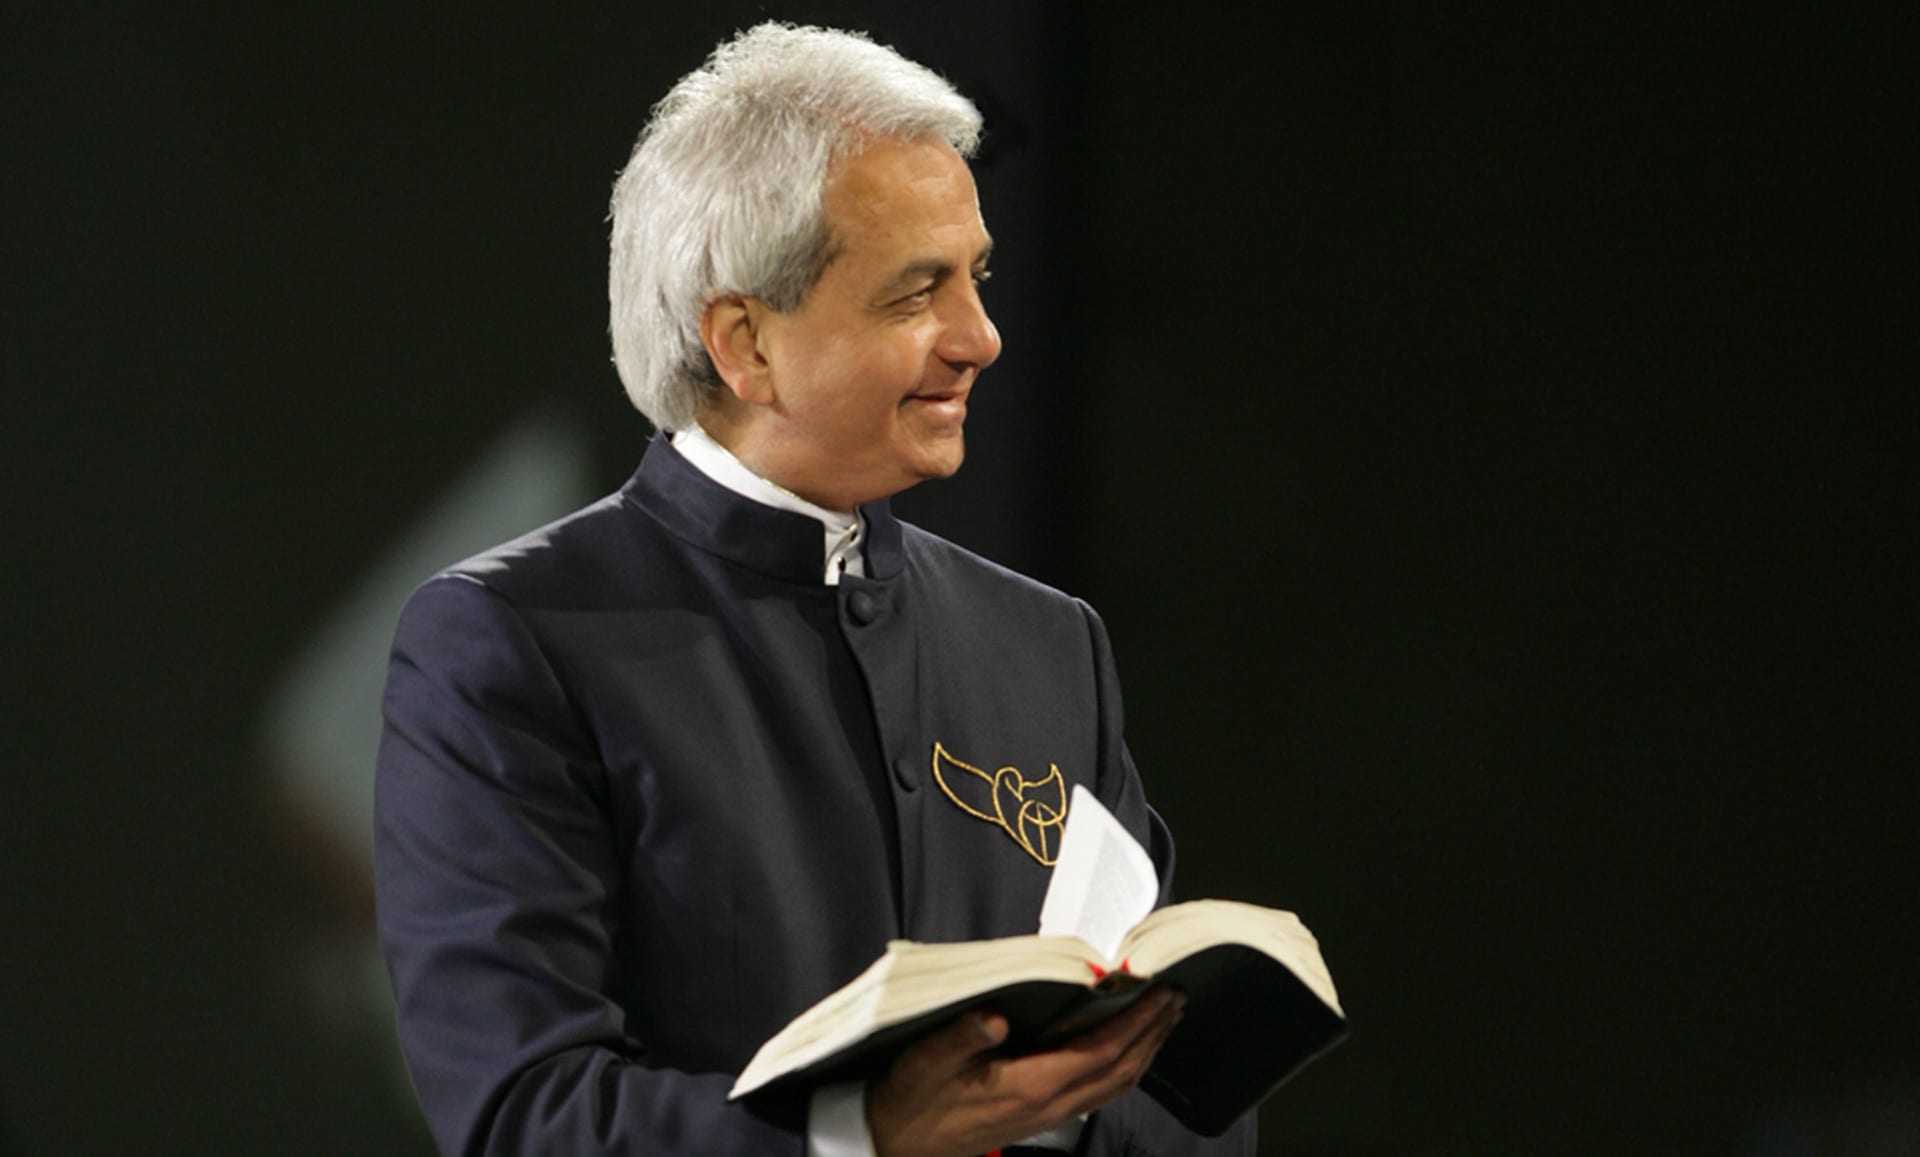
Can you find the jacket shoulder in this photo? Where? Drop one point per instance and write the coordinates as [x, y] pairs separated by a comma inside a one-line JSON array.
[[565, 561], [930, 557]]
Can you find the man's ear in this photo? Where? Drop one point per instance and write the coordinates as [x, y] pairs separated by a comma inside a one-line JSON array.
[[731, 327]]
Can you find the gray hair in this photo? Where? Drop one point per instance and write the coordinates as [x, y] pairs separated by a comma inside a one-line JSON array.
[[722, 193]]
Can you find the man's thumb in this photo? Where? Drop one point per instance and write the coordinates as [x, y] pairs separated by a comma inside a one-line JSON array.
[[954, 1047]]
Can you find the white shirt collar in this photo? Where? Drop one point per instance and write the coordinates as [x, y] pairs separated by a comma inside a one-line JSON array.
[[844, 534]]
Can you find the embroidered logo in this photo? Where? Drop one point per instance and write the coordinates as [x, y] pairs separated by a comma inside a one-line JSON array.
[[1032, 811]]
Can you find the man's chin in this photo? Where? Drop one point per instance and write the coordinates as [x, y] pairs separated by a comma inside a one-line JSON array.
[[945, 462]]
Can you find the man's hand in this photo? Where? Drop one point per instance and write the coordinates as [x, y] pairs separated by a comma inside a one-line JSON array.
[[948, 1096]]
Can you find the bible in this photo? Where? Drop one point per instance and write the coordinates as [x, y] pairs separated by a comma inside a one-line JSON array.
[[1260, 1006]]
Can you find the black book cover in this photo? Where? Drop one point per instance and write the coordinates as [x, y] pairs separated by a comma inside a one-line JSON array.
[[1249, 1024]]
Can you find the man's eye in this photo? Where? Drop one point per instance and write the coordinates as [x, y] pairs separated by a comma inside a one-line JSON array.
[[982, 276]]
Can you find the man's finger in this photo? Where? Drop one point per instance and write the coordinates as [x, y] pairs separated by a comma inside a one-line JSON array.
[[1120, 1077], [1133, 1063], [955, 1047], [1116, 1034], [1085, 1059]]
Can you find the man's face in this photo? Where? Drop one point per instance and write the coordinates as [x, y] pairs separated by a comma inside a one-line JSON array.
[[871, 373]]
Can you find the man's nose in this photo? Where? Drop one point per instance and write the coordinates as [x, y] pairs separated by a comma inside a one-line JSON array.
[[971, 338]]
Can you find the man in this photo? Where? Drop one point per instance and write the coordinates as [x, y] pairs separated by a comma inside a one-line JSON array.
[[659, 776]]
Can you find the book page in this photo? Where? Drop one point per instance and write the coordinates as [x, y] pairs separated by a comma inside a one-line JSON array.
[[1103, 883]]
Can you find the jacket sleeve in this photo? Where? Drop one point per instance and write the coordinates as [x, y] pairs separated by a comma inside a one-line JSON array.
[[1136, 1123], [497, 878]]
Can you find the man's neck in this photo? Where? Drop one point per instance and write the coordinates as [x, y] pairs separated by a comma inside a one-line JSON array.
[[718, 461], [755, 449]]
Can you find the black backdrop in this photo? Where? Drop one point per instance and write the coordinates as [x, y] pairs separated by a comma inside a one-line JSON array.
[[1488, 432]]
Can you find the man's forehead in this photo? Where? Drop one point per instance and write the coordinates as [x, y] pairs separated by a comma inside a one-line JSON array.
[[894, 182]]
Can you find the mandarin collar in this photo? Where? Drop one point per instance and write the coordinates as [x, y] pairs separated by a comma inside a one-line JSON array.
[[782, 543]]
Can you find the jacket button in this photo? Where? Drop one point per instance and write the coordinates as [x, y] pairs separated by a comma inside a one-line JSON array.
[[861, 606], [905, 773]]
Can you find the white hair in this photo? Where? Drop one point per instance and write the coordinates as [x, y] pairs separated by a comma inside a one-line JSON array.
[[722, 193]]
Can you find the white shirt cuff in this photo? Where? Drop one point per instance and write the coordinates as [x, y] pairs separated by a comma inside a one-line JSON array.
[[837, 1125], [837, 1121]]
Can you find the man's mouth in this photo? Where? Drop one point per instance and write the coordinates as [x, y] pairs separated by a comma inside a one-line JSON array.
[[954, 396], [945, 405]]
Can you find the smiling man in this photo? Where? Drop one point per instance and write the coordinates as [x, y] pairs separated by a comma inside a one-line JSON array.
[[657, 777], [861, 391]]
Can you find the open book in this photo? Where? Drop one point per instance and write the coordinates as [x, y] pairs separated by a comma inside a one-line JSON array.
[[1260, 1004]]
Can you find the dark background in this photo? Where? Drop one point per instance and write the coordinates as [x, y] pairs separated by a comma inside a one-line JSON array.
[[1488, 432]]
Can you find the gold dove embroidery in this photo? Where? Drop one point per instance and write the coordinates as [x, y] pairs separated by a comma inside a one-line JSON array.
[[1038, 806]]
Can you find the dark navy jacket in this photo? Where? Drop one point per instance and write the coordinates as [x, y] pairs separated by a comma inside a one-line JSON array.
[[648, 789]]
